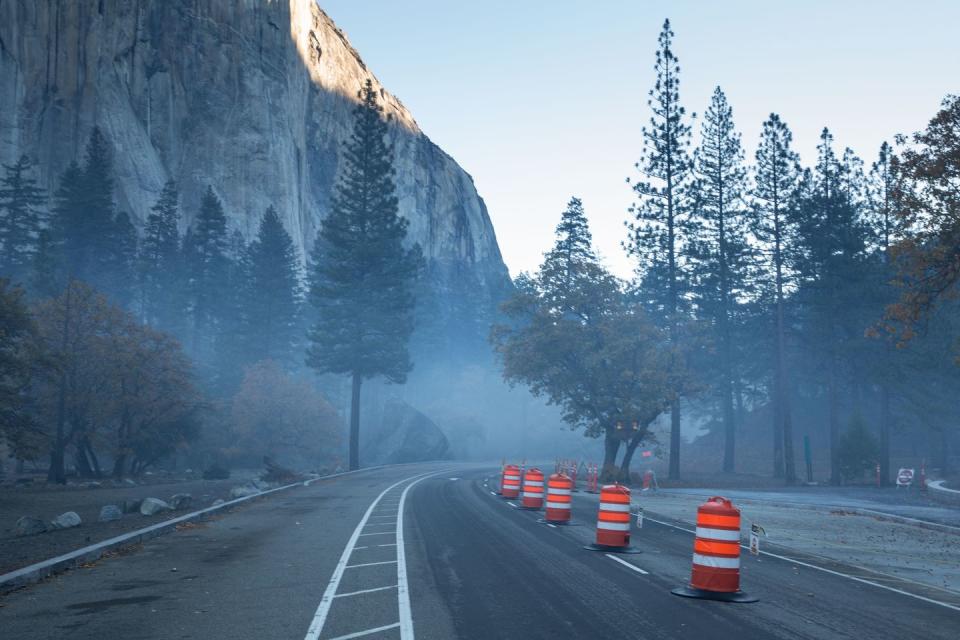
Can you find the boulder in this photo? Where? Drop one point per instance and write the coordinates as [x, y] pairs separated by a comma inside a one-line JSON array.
[[66, 520], [181, 501], [403, 435], [244, 491], [151, 506], [29, 526], [131, 505], [110, 512]]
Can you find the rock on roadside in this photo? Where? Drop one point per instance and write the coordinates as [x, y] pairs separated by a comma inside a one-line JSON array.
[[109, 513], [29, 526], [66, 520], [243, 492], [151, 506], [131, 506], [181, 501]]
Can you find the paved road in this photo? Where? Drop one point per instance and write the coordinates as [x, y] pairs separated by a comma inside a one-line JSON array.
[[324, 562]]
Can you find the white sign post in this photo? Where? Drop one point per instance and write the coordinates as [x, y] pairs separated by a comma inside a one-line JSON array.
[[639, 517], [755, 532]]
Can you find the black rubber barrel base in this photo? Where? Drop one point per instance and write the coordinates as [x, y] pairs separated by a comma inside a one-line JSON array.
[[721, 596], [522, 508], [559, 523], [608, 549]]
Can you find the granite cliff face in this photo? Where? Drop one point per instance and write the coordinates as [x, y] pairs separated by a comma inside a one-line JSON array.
[[251, 96]]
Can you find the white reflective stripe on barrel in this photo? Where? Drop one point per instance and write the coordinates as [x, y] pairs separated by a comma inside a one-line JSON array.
[[718, 534], [614, 526], [509, 477], [558, 492], [558, 505], [532, 494], [716, 562], [533, 483], [610, 506]]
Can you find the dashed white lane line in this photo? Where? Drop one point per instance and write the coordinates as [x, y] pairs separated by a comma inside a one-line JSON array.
[[552, 526], [493, 493], [825, 570], [627, 564], [360, 634], [389, 544], [357, 593], [378, 533], [512, 505], [369, 564], [323, 609]]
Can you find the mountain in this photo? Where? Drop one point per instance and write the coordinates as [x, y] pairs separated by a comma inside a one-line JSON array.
[[253, 97]]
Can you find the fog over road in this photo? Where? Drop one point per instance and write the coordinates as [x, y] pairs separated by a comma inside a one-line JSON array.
[[323, 562]]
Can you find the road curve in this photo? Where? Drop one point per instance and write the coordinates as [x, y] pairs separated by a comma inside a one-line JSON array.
[[323, 562]]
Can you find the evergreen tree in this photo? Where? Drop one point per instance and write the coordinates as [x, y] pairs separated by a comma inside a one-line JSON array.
[[659, 227], [21, 218], [208, 264], [271, 293], [570, 258], [123, 267], [97, 237], [159, 264], [833, 278], [775, 180], [63, 255], [361, 275], [720, 254]]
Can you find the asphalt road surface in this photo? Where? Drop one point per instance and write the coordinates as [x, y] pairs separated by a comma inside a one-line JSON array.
[[427, 551]]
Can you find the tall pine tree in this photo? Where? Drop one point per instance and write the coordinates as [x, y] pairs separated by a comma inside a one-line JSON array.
[[361, 275], [775, 183], [159, 265], [271, 293], [720, 253], [21, 219], [208, 264], [659, 228]]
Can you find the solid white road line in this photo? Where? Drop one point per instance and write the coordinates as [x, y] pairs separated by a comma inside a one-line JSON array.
[[360, 634], [403, 592], [627, 564], [323, 609], [825, 570], [356, 593], [379, 533]]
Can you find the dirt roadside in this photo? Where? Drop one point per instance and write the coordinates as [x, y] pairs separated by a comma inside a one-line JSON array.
[[47, 502]]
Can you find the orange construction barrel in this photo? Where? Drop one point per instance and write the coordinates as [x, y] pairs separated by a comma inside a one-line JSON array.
[[716, 554], [510, 481], [532, 489], [559, 489], [613, 520]]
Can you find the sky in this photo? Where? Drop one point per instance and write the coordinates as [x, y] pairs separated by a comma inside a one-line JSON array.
[[543, 100]]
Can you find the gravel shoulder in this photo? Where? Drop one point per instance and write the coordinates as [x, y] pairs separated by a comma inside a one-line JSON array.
[[902, 550], [47, 502]]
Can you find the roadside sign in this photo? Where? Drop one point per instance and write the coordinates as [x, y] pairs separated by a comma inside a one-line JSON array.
[[905, 477], [647, 454], [639, 517], [755, 532]]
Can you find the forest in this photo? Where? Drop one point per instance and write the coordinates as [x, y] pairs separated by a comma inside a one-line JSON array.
[[798, 298]]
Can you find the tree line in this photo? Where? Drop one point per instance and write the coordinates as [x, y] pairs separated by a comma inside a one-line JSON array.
[[758, 288], [148, 334]]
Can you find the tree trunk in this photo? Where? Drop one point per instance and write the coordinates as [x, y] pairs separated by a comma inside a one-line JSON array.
[[92, 457], [834, 425], [729, 429], [884, 435], [611, 447], [674, 470], [120, 466], [355, 422], [628, 458]]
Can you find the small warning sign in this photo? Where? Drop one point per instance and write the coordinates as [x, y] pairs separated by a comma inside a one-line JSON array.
[[905, 477], [639, 517], [755, 532]]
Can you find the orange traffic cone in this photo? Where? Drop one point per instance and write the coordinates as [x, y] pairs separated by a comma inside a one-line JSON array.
[[532, 489], [716, 554], [510, 482], [613, 521]]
